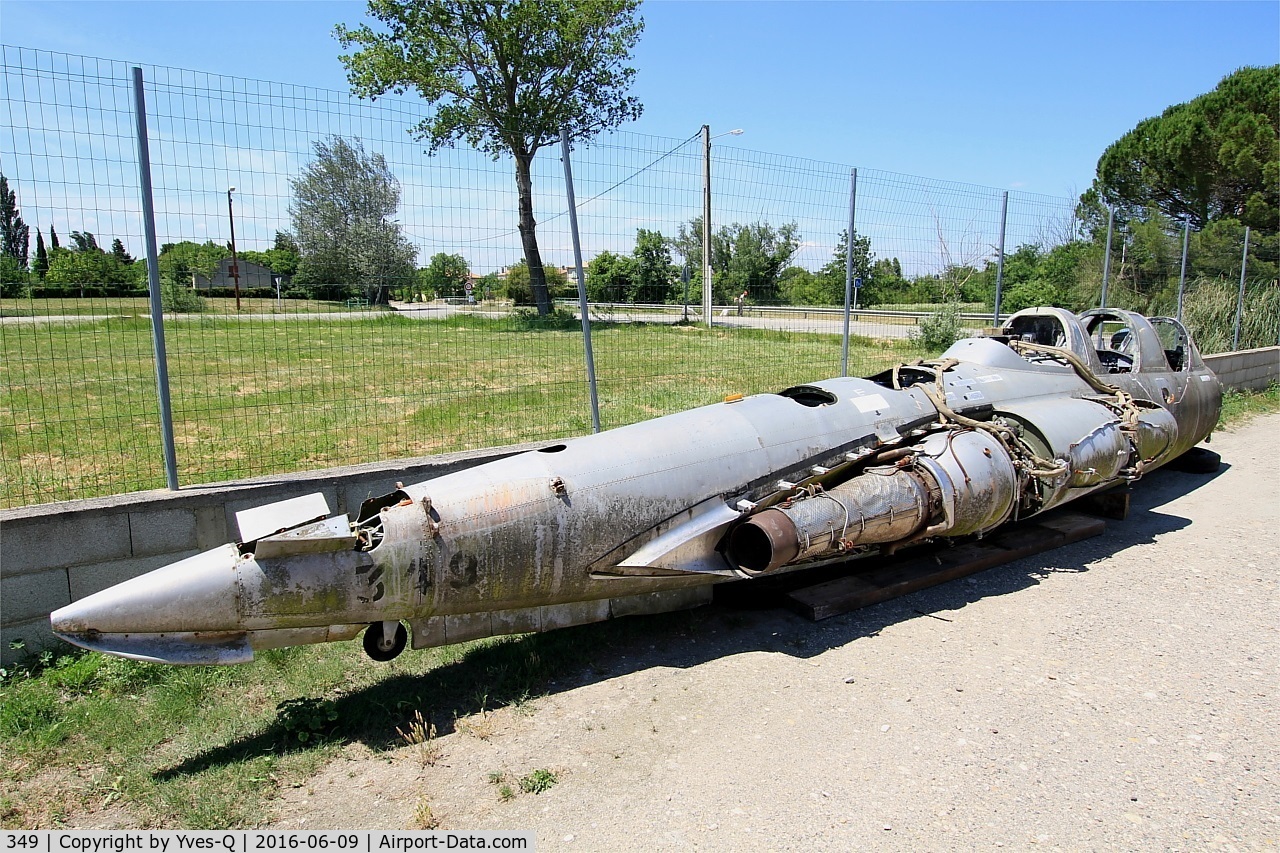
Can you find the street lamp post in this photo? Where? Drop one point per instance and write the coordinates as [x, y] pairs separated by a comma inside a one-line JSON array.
[[235, 263], [706, 216]]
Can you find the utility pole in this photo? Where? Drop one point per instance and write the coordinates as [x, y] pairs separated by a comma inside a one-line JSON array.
[[235, 263], [706, 215]]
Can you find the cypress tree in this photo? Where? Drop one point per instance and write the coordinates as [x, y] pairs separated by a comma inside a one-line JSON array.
[[41, 266], [15, 238]]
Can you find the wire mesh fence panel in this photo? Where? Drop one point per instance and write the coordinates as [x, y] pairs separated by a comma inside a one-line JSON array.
[[78, 409], [1211, 314], [1041, 264], [330, 376], [634, 195], [335, 293]]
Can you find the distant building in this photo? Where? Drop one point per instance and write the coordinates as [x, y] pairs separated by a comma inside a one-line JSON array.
[[251, 276]]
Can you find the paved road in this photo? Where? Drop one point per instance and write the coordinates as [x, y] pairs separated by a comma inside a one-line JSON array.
[[863, 325], [40, 319], [871, 327], [320, 317]]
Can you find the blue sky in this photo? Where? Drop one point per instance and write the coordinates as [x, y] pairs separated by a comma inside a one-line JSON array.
[[1010, 95]]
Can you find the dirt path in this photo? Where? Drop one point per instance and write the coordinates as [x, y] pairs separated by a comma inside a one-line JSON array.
[[1120, 692]]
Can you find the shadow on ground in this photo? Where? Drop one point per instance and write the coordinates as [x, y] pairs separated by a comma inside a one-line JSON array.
[[747, 617]]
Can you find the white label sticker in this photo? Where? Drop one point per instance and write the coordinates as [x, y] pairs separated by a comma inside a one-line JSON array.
[[1204, 378], [993, 377], [870, 403], [974, 395]]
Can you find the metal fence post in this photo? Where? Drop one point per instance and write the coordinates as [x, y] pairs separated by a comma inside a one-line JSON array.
[[1004, 217], [706, 224], [1182, 276], [848, 271], [153, 283], [1106, 258], [1244, 266], [582, 282]]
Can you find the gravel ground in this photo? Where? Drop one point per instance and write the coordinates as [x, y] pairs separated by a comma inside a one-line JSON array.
[[1119, 693]]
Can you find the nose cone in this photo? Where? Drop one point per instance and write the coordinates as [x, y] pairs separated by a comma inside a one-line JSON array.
[[196, 594]]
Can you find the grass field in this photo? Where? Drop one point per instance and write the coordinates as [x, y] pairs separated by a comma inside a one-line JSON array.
[[79, 412], [88, 737], [140, 306]]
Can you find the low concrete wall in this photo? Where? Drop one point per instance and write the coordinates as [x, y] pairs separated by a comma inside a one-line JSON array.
[[53, 554], [1247, 370]]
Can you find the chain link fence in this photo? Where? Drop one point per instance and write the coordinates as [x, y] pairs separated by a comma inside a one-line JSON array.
[[333, 294]]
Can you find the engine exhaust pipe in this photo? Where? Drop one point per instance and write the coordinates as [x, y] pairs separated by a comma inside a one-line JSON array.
[[881, 505], [960, 479]]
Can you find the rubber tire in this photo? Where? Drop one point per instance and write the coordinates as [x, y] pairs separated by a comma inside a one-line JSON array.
[[1197, 460], [373, 637]]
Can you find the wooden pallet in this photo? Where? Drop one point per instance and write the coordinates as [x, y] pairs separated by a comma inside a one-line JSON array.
[[850, 592]]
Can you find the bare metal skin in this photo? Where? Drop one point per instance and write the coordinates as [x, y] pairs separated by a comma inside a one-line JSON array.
[[646, 517]]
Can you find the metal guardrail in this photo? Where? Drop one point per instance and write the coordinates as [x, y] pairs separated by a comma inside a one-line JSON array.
[[799, 311]]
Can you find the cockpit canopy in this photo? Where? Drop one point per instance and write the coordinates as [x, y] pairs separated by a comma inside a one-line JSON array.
[[1110, 340]]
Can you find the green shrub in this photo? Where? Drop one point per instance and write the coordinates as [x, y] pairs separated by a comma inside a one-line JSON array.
[[939, 330], [307, 719], [179, 299], [538, 781], [558, 320]]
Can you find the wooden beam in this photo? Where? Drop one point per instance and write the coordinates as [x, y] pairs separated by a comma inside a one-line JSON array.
[[864, 588]]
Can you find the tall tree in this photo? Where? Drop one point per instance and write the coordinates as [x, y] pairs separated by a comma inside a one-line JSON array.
[[181, 262], [15, 237], [505, 76], [94, 273], [1214, 158], [800, 287], [834, 271], [751, 258], [611, 278], [653, 270], [282, 258], [284, 242], [445, 275], [342, 209], [516, 285], [53, 239], [41, 265], [118, 252], [84, 241]]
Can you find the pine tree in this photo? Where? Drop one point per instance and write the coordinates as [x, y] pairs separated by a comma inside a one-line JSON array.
[[118, 252], [53, 239]]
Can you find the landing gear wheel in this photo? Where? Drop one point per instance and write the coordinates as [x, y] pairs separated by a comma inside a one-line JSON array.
[[1197, 460], [381, 647]]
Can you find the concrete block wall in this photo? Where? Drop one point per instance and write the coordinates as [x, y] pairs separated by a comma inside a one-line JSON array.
[[53, 554], [1247, 370]]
